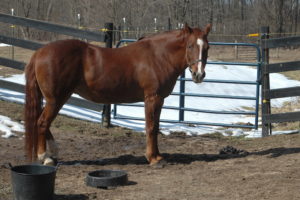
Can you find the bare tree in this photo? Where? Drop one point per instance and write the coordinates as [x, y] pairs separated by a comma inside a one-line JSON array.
[[229, 17], [279, 16]]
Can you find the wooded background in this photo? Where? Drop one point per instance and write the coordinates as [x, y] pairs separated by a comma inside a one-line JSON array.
[[231, 19]]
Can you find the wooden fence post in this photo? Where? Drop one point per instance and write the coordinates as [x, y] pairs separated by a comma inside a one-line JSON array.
[[182, 97], [108, 44], [265, 82], [13, 35], [169, 24], [236, 50]]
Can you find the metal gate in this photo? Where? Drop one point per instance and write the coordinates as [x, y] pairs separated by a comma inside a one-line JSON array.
[[182, 94]]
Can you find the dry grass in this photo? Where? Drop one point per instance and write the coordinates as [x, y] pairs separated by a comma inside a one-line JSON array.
[[286, 55], [233, 54], [248, 54], [287, 107], [20, 54]]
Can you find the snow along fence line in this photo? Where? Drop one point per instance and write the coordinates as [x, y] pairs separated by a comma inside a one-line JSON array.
[[72, 101]]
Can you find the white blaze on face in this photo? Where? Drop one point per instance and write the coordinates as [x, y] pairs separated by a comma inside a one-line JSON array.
[[200, 43]]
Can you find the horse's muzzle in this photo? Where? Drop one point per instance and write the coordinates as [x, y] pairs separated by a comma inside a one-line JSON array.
[[198, 77]]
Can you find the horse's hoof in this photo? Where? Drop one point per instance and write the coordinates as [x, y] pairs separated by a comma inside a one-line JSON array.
[[50, 162], [159, 165]]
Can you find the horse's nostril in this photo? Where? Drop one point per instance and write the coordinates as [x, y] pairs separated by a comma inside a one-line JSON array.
[[199, 76], [194, 73]]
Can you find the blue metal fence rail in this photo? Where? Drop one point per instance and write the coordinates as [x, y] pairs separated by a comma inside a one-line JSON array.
[[182, 94]]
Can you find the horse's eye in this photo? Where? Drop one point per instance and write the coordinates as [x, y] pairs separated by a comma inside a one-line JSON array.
[[190, 46]]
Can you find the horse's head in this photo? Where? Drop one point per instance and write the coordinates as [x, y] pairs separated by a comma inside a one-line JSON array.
[[196, 51]]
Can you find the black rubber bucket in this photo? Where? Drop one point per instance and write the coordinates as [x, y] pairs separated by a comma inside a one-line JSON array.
[[33, 182]]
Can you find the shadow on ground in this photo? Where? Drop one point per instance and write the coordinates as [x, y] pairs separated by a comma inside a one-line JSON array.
[[70, 197], [182, 158]]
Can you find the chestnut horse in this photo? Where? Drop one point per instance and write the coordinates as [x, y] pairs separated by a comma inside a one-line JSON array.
[[146, 70]]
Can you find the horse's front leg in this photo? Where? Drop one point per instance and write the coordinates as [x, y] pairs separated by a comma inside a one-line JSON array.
[[153, 105]]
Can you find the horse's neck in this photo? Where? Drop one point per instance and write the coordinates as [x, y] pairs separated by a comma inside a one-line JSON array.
[[177, 55], [175, 52]]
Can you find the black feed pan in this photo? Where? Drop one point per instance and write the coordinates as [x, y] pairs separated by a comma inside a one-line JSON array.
[[106, 178]]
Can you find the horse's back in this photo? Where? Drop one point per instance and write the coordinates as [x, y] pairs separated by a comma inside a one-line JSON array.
[[60, 52], [61, 48]]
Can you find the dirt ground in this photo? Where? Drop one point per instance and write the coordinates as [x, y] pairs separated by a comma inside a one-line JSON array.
[[195, 169]]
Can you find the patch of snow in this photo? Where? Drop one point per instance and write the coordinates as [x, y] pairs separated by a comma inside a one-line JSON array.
[[8, 127], [4, 45]]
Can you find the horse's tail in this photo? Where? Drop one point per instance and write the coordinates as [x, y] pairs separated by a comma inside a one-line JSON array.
[[33, 108]]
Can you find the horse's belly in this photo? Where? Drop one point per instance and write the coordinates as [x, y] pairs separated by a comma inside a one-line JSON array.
[[111, 96]]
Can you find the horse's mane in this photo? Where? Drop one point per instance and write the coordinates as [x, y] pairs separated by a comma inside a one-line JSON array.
[[144, 37]]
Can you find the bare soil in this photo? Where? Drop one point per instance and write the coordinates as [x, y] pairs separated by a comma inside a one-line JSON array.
[[195, 169]]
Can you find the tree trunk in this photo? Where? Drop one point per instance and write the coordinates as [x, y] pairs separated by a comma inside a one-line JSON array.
[[279, 16]]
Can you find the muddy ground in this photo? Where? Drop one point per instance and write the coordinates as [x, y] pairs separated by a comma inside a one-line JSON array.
[[195, 169]]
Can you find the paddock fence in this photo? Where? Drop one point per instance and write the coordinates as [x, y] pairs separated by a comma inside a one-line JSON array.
[[182, 108], [259, 51], [268, 94]]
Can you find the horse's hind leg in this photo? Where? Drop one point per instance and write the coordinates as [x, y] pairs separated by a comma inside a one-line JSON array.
[[49, 113]]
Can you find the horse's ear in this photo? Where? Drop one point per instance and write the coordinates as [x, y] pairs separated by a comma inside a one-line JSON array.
[[207, 29], [187, 29]]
